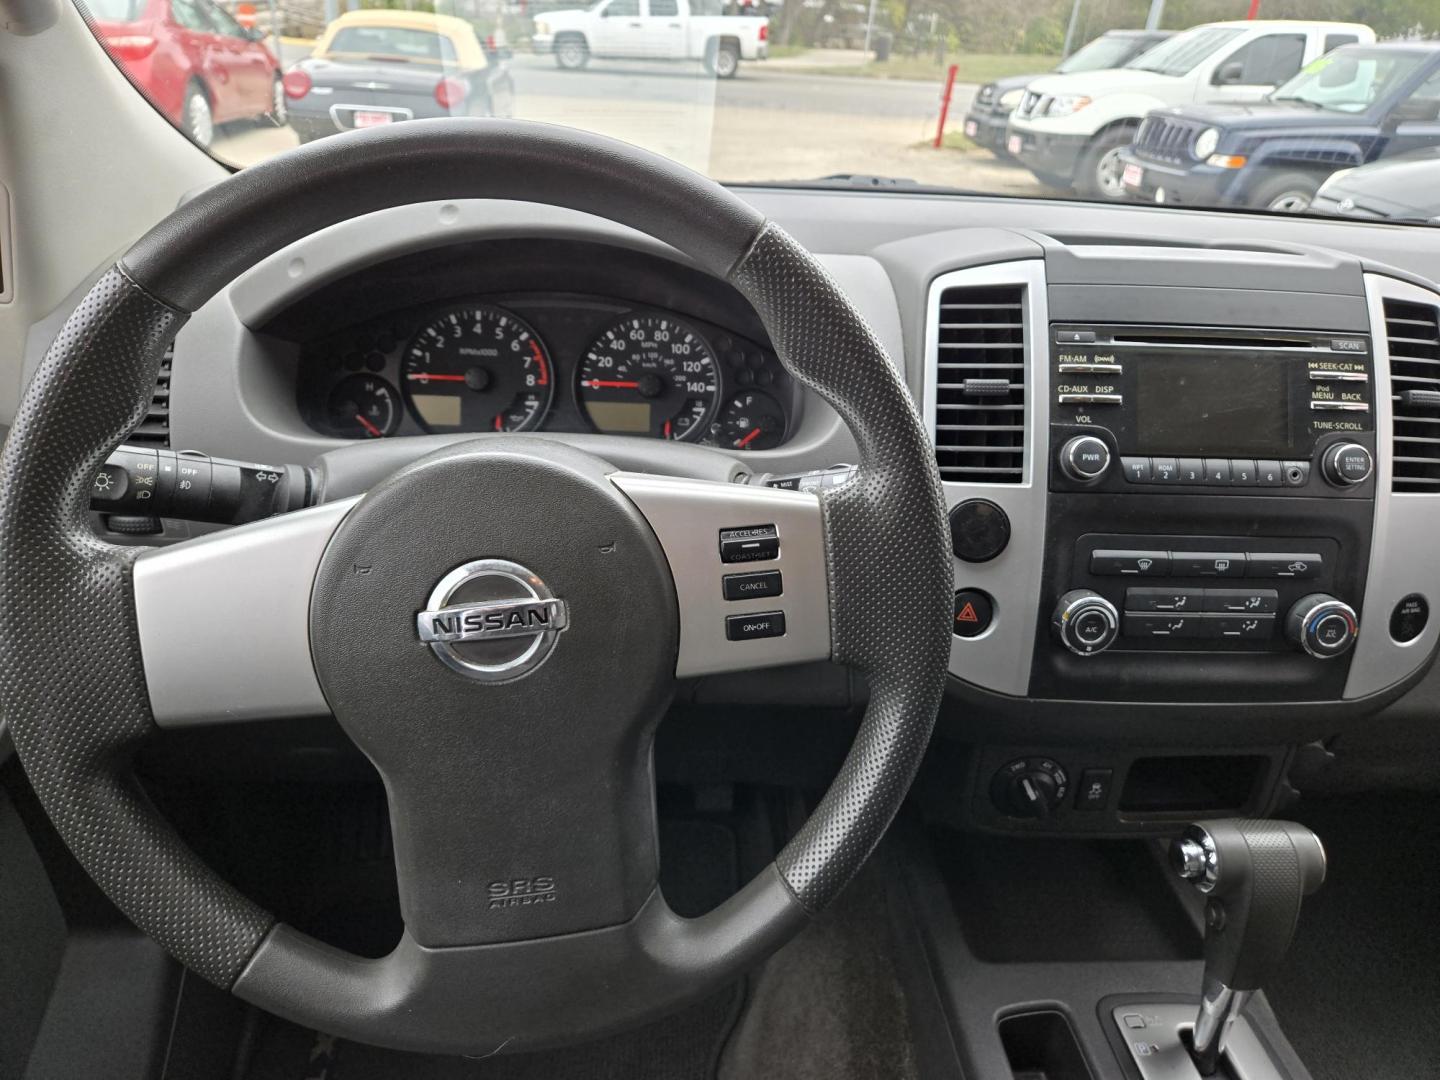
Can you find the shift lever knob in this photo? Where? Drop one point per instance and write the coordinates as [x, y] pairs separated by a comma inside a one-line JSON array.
[[1255, 875]]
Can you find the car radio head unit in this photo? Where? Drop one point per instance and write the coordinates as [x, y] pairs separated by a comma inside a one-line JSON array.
[[1211, 407]]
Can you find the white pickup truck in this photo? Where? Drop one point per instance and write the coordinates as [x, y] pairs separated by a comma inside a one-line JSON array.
[[653, 30], [1069, 129]]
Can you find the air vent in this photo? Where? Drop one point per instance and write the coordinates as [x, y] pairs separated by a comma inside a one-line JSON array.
[[1413, 331], [980, 385], [154, 430]]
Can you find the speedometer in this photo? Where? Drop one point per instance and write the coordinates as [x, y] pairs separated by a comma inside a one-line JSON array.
[[477, 368], [649, 375]]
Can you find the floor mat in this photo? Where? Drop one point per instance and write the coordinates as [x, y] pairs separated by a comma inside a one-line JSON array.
[[1359, 992], [829, 1005]]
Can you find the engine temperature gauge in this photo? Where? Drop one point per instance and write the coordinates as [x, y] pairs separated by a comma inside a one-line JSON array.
[[752, 420], [363, 407]]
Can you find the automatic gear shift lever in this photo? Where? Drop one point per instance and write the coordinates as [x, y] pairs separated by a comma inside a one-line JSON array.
[[1255, 874]]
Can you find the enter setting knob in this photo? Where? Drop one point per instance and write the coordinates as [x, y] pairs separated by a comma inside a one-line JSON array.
[[1346, 464], [1323, 626]]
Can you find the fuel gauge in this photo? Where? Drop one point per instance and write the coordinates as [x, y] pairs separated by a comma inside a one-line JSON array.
[[363, 407], [751, 420]]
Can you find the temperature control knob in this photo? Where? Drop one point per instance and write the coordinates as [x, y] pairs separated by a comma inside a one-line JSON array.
[[1321, 625], [1084, 458], [1085, 622], [1345, 464]]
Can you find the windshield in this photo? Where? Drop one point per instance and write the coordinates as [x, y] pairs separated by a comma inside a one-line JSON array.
[[1180, 55], [1100, 54], [885, 96], [1350, 80]]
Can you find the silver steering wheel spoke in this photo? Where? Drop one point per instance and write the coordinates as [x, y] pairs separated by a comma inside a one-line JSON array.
[[224, 621], [768, 607]]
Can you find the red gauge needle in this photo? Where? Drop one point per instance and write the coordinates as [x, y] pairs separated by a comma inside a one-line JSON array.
[[748, 439], [667, 429], [499, 422], [374, 431], [422, 376], [612, 384]]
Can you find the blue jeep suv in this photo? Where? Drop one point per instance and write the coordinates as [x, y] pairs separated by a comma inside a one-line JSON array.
[[1355, 105]]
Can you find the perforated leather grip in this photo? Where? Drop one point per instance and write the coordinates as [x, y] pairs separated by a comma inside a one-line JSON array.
[[73, 682], [888, 547]]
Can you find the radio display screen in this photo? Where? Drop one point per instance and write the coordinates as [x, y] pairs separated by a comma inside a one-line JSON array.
[[1209, 404]]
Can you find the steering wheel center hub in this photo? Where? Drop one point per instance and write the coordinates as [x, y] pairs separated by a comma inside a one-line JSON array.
[[492, 620]]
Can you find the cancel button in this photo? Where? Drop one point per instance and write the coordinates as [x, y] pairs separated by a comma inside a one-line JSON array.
[[749, 586]]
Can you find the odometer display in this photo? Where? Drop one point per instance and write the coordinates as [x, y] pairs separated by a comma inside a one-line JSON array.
[[649, 375], [477, 368]]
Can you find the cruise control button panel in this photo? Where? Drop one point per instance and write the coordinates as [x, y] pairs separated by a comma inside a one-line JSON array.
[[749, 586], [752, 543], [763, 624]]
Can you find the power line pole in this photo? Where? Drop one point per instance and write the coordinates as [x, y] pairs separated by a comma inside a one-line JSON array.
[[1157, 12], [1070, 30]]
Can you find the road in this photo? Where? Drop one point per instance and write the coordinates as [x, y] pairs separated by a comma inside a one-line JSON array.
[[770, 123]]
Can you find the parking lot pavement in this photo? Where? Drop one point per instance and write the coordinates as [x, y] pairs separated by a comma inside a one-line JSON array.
[[762, 126]]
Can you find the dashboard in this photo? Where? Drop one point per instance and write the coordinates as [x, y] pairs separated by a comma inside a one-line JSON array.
[[1193, 467]]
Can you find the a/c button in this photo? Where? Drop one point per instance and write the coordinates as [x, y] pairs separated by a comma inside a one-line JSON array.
[[748, 586]]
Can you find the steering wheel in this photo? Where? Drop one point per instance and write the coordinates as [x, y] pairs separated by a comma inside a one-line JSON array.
[[498, 626]]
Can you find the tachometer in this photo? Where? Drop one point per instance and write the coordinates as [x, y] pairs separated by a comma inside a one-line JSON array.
[[649, 375], [477, 368]]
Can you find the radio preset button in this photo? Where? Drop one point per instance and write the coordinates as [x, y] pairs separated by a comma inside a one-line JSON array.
[[1243, 601], [1242, 472], [1217, 471], [1207, 563], [1279, 564], [1137, 469], [1111, 563], [1269, 472], [1192, 470], [1164, 470], [1164, 599]]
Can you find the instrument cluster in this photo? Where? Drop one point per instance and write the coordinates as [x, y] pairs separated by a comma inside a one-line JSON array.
[[547, 363]]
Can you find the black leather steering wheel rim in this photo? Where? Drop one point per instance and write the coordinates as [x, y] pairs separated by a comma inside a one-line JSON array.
[[74, 688]]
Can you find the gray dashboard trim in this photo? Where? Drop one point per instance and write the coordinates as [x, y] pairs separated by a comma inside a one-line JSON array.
[[1186, 305], [1404, 554], [999, 659], [233, 391]]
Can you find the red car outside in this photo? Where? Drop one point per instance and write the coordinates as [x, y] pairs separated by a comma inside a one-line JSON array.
[[193, 60]]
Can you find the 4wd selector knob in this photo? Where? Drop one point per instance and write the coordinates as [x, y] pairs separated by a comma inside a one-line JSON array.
[[1346, 464], [1084, 458], [1085, 622], [1323, 626]]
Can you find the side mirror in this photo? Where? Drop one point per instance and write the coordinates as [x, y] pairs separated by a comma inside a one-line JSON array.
[[1414, 110], [1230, 74]]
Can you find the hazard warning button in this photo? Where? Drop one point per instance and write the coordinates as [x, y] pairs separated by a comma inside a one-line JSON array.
[[974, 611]]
